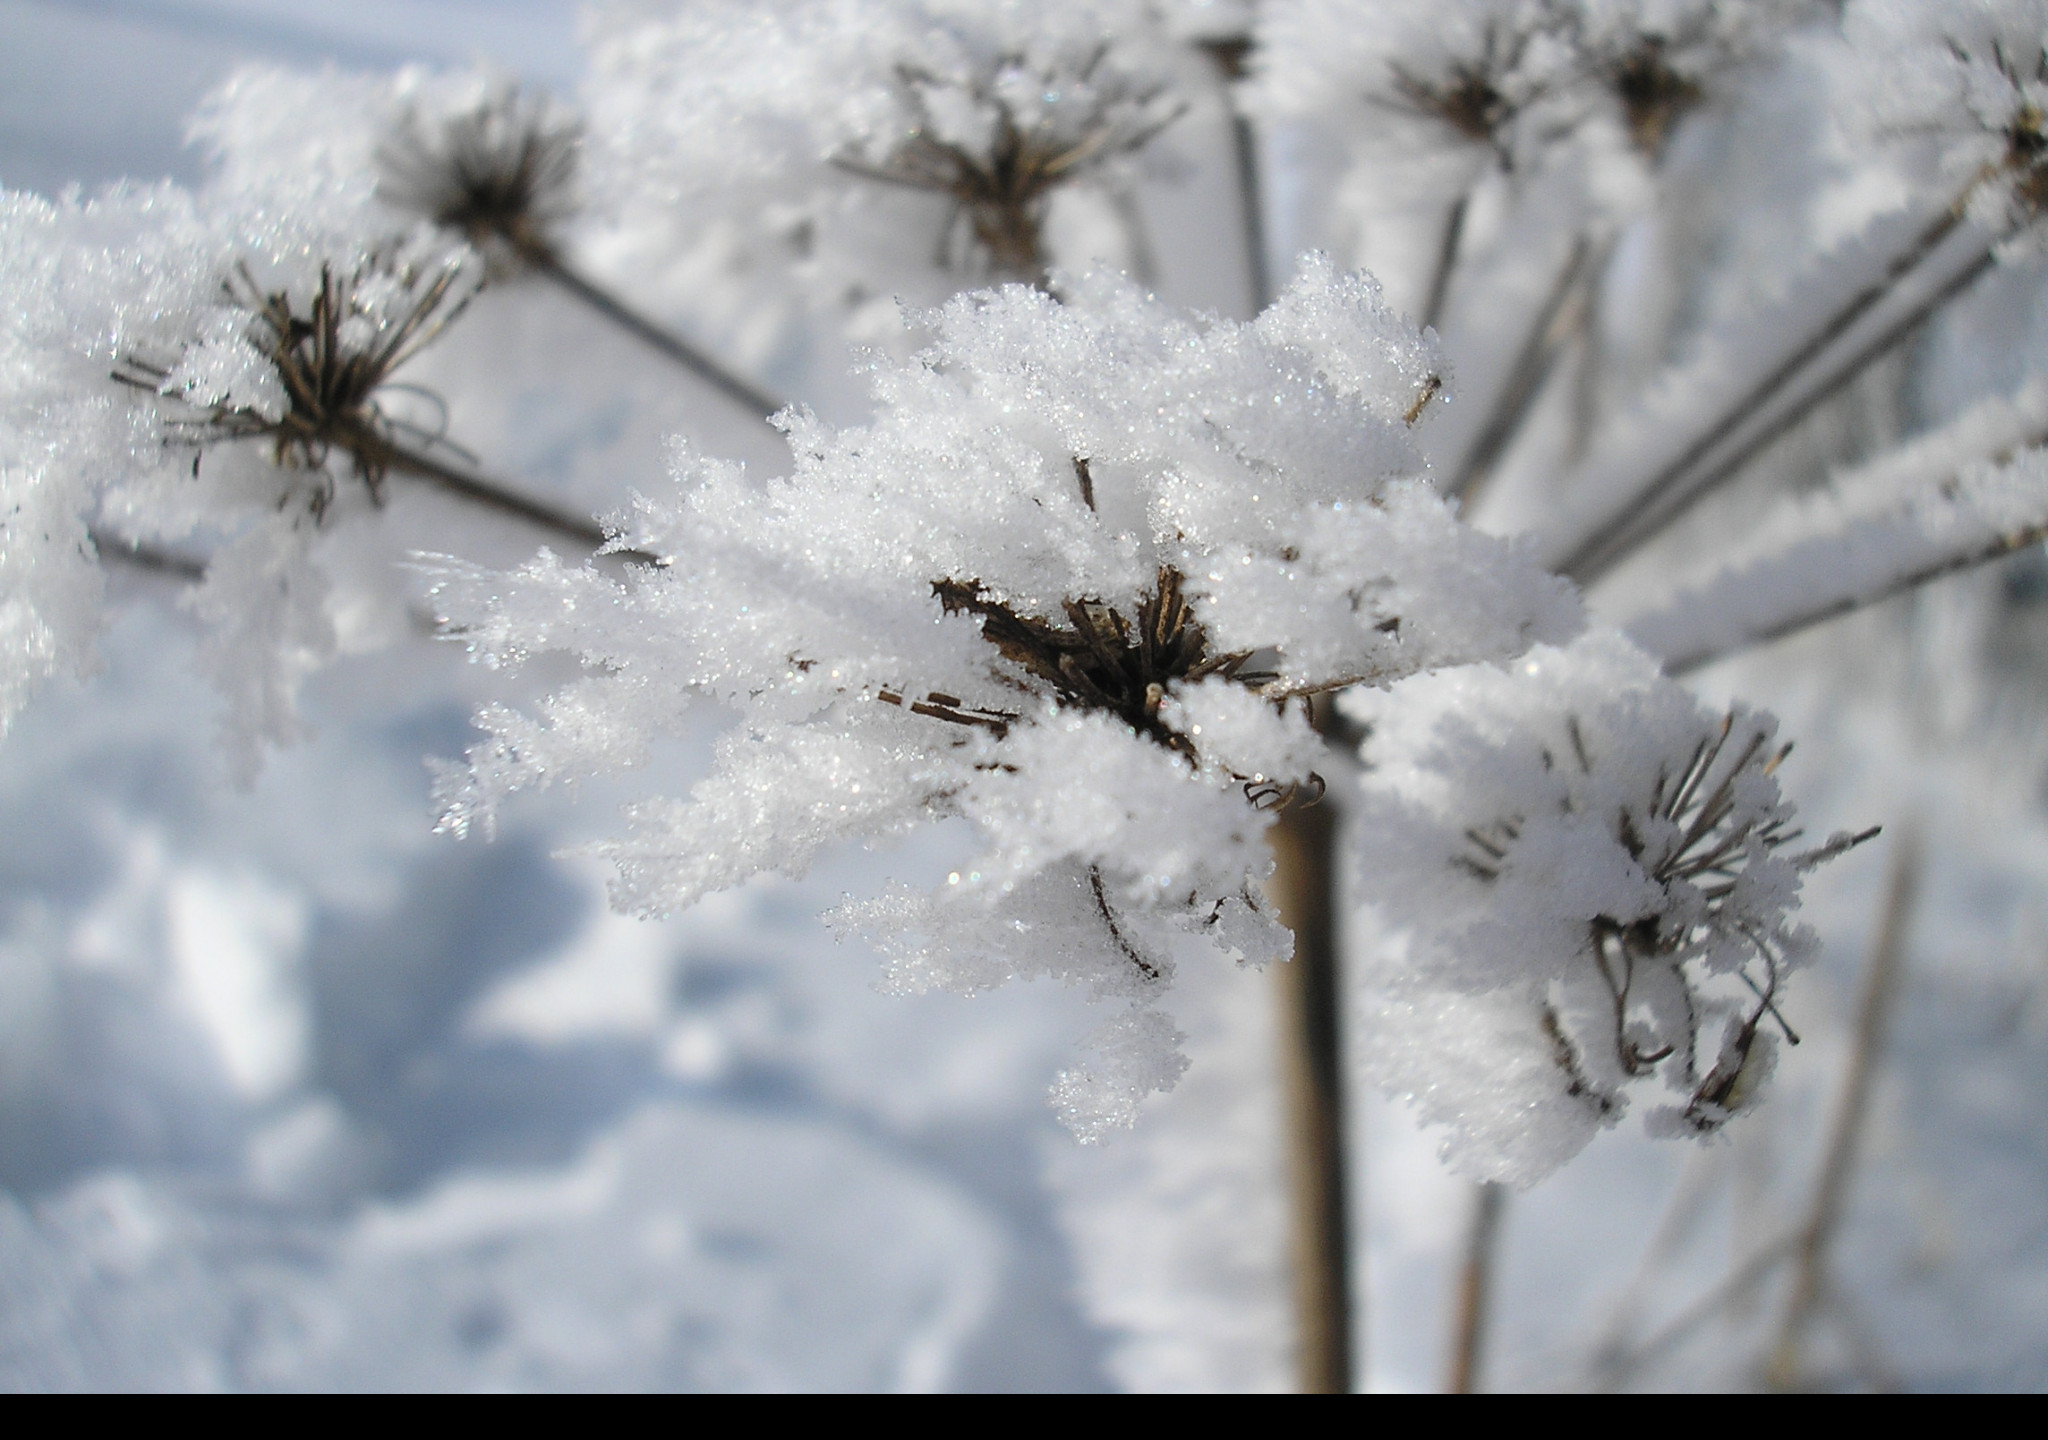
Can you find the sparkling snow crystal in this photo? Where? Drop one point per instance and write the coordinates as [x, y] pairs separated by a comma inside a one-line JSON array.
[[1589, 878], [1070, 587]]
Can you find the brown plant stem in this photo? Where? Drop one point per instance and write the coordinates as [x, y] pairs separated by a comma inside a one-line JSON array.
[[1305, 891], [1304, 888], [1475, 1289], [1783, 1370], [1646, 525], [1653, 490], [666, 342], [486, 494], [1230, 54]]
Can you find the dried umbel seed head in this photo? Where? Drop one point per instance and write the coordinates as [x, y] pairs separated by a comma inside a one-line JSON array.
[[1478, 97], [1652, 94], [501, 172], [1680, 983], [997, 143], [1104, 660], [314, 367]]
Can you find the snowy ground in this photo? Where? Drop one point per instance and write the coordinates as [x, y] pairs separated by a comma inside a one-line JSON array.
[[294, 1094]]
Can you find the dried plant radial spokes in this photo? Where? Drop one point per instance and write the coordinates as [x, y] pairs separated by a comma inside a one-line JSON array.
[[999, 186], [502, 172], [1104, 660], [330, 356], [1473, 96], [2025, 129]]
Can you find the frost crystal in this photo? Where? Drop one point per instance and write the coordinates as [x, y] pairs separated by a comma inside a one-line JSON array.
[[1589, 879], [1069, 587]]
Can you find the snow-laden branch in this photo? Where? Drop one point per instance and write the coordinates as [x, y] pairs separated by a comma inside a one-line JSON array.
[[1970, 492]]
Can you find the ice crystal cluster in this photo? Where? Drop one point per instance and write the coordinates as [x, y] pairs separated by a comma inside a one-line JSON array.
[[1588, 881], [1070, 586], [861, 152]]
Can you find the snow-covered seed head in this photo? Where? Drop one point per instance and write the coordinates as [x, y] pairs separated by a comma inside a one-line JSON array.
[[501, 172], [1696, 834], [321, 361], [1000, 140], [1588, 884], [1974, 79]]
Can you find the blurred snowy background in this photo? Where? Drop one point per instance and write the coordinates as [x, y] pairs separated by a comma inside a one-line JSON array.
[[294, 1094]]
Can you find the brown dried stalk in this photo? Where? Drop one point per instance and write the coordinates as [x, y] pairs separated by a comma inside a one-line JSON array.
[[1680, 485]]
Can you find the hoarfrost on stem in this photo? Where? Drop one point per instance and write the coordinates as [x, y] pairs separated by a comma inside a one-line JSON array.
[[1070, 586]]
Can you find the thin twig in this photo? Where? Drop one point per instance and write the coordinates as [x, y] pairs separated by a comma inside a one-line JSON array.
[[1736, 1285], [1475, 1289], [1447, 257], [667, 342], [1652, 491], [1644, 525], [1525, 379], [1784, 1371]]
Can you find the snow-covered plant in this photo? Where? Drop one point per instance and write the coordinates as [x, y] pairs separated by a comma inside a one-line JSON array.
[[303, 363], [1467, 74], [495, 162], [1589, 879], [50, 587], [1071, 586], [1971, 78], [490, 162], [906, 148], [1655, 60]]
